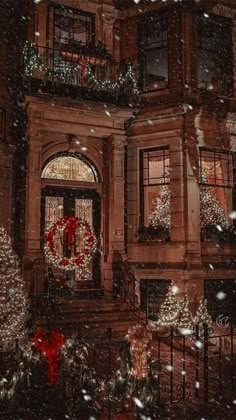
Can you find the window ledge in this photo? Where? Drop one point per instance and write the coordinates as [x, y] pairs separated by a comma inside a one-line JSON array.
[[153, 93]]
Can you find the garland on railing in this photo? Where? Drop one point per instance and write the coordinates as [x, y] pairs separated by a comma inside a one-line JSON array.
[[28, 358], [126, 83], [92, 49], [72, 355]]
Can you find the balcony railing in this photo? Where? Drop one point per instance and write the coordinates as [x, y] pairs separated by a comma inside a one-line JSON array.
[[87, 75]]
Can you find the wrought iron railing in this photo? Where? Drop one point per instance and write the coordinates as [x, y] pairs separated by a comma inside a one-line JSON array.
[[90, 75], [187, 369]]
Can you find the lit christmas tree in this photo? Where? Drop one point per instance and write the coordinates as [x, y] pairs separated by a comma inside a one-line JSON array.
[[160, 216], [202, 318], [169, 310], [13, 301], [185, 321], [212, 214]]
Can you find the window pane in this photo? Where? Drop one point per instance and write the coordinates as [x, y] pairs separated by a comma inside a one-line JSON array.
[[216, 173], [157, 206], [156, 192], [214, 52], [69, 168], [153, 293], [156, 167], [84, 210], [156, 68], [154, 50], [216, 168], [71, 24]]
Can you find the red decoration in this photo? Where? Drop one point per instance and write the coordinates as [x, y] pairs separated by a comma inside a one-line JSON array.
[[70, 225], [50, 348]]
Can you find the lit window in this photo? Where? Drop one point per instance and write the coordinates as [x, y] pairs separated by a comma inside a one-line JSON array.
[[69, 168], [155, 193], [215, 187]]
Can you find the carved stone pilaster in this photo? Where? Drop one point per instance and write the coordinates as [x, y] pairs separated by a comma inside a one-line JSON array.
[[107, 18], [118, 142], [6, 171]]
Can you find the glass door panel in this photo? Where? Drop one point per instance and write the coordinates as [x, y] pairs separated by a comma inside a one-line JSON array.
[[84, 210], [54, 210]]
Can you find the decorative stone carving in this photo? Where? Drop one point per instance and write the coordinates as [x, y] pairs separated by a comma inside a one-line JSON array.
[[108, 19], [118, 143]]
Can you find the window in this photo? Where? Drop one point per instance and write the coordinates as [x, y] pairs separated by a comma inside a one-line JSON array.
[[221, 295], [214, 52], [215, 187], [152, 295], [154, 165], [69, 168], [72, 25], [153, 46]]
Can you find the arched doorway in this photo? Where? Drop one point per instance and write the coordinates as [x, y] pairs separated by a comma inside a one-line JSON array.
[[71, 187]]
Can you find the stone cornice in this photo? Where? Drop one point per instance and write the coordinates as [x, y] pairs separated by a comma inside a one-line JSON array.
[[76, 118]]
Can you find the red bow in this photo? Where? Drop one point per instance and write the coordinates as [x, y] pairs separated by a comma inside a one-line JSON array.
[[50, 349], [71, 226]]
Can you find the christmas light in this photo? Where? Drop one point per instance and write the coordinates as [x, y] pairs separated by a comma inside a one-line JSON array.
[[185, 321], [75, 228], [64, 71], [13, 301], [169, 310], [202, 318], [212, 214], [160, 216]]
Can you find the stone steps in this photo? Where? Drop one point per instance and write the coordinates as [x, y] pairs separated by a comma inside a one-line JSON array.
[[91, 306], [92, 317]]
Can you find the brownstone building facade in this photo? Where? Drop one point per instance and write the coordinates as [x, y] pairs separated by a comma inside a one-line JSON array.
[[105, 107]]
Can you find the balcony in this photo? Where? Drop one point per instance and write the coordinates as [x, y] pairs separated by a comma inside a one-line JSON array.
[[78, 74]]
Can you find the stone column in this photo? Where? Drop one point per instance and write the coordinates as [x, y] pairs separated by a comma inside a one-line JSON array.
[[177, 191], [6, 158], [33, 208], [234, 54], [108, 20], [116, 211], [194, 273], [192, 196]]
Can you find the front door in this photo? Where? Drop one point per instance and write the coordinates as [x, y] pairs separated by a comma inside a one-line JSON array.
[[58, 202]]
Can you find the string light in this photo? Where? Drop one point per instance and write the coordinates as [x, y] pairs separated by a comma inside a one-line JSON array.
[[63, 71], [13, 301], [160, 216], [185, 320], [212, 214], [202, 318], [169, 310]]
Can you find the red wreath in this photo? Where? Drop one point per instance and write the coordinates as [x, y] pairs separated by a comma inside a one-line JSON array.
[[70, 225], [50, 348]]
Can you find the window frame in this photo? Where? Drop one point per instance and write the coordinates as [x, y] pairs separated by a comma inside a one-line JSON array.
[[229, 176], [161, 15], [54, 6], [227, 85], [141, 176]]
